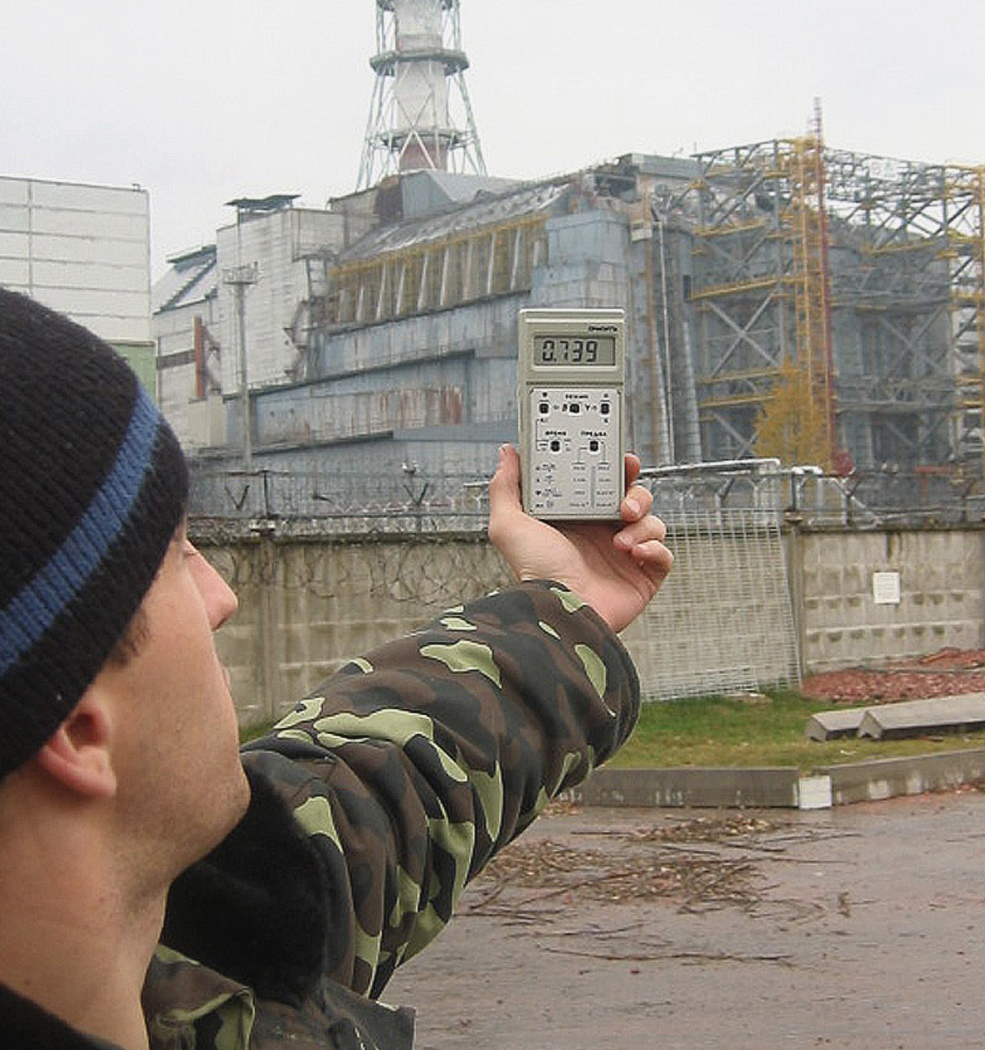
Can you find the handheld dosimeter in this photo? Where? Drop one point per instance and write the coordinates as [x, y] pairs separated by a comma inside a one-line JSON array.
[[570, 384]]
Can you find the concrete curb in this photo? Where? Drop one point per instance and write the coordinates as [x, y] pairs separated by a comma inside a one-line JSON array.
[[889, 777], [780, 787]]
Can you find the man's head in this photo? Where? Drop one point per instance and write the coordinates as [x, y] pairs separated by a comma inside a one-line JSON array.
[[93, 487], [119, 758]]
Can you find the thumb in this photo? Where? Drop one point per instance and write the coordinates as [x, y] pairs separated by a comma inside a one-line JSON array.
[[504, 489]]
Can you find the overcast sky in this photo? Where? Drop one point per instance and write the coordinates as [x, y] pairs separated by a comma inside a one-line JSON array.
[[204, 101]]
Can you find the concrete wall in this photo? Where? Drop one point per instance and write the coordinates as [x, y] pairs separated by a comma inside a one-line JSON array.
[[307, 606], [941, 577]]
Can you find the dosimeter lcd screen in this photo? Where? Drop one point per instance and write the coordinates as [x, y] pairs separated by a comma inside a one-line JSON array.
[[575, 350]]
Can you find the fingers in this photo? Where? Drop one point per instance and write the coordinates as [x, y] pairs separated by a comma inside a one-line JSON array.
[[640, 532], [643, 534], [643, 542], [632, 468], [654, 559], [636, 504], [505, 484], [638, 499]]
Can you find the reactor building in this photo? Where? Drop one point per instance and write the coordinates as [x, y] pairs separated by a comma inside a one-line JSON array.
[[782, 298]]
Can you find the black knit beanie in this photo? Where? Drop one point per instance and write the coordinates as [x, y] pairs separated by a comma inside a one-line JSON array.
[[92, 487]]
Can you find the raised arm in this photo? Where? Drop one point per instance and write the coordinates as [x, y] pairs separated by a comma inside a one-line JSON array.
[[388, 788], [410, 767]]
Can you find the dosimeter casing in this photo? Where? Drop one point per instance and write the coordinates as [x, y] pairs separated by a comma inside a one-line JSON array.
[[570, 391]]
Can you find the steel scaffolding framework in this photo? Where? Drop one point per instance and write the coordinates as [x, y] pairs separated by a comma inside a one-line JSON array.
[[868, 273]]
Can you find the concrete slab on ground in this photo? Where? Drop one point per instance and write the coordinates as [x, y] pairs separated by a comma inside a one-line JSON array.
[[831, 725], [892, 777], [704, 786], [943, 714]]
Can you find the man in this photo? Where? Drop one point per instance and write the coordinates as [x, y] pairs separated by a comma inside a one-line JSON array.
[[157, 888]]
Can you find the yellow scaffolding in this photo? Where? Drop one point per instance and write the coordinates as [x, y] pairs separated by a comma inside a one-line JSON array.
[[805, 219], [909, 284], [792, 266]]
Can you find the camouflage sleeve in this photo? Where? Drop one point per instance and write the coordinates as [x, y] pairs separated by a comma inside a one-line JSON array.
[[410, 768]]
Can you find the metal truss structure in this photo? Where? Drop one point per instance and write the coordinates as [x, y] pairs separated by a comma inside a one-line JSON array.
[[868, 273], [420, 114]]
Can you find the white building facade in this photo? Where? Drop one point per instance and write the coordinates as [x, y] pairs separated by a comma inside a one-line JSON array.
[[83, 250]]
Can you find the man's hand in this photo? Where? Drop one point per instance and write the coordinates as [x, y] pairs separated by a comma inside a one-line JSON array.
[[616, 570]]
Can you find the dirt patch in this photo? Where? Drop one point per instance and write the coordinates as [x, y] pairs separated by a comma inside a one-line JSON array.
[[948, 672]]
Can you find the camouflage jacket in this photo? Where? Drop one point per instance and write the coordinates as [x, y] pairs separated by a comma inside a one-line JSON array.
[[374, 802]]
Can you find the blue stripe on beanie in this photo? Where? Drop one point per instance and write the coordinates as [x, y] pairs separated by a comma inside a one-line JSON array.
[[31, 613]]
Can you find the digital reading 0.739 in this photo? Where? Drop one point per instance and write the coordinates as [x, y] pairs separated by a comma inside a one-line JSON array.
[[561, 350]]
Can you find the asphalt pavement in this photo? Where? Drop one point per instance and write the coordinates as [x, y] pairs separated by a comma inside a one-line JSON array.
[[859, 927]]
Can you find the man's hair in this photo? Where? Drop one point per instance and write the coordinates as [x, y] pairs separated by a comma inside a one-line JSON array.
[[131, 641], [92, 487]]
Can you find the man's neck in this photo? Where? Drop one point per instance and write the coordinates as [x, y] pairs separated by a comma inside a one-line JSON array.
[[91, 982], [73, 943]]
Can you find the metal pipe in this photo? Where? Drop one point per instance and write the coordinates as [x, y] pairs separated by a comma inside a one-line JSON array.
[[199, 358], [668, 385], [658, 408], [245, 392], [748, 466]]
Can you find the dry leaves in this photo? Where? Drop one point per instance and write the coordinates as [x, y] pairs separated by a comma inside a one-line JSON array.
[[661, 862]]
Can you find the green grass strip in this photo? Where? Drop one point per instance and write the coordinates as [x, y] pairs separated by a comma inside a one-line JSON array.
[[765, 731]]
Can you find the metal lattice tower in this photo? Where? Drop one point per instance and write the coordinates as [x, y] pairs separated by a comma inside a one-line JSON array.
[[420, 116]]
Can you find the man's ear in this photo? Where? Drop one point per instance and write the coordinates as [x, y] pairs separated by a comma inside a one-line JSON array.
[[78, 755]]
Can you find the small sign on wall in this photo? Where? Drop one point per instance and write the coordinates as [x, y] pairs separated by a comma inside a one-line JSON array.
[[886, 588]]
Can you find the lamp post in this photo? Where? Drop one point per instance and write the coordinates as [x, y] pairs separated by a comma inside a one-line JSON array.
[[240, 278]]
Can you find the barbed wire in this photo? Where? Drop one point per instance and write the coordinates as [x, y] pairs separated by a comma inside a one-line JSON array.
[[425, 571], [341, 504], [232, 505]]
